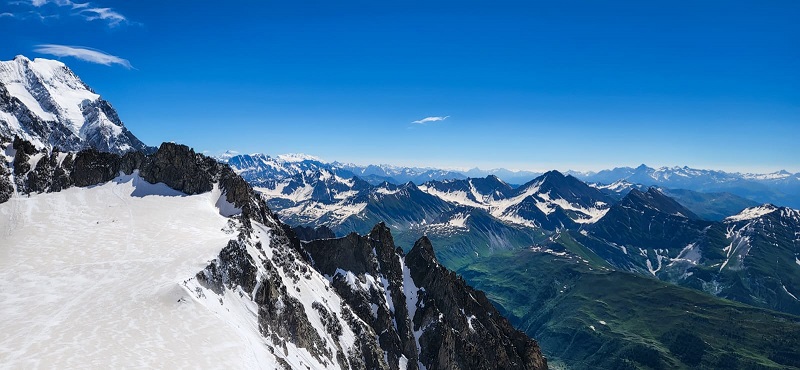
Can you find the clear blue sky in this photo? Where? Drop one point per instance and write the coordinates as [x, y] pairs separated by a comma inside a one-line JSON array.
[[526, 85]]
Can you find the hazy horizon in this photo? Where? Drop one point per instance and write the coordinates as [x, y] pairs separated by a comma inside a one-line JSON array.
[[577, 168]]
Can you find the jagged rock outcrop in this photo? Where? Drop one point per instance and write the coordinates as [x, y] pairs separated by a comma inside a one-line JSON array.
[[424, 312], [177, 166]]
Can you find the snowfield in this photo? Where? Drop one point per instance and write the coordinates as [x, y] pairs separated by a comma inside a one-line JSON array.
[[93, 277]]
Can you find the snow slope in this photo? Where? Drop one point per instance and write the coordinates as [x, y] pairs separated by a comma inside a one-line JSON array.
[[91, 277]]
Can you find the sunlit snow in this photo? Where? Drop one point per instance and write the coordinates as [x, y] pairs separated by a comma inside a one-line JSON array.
[[91, 277]]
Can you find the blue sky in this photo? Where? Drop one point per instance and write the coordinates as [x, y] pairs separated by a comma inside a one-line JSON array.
[[524, 85]]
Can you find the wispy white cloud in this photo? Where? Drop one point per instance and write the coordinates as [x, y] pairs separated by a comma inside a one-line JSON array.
[[87, 10], [105, 14], [3, 15], [38, 3], [430, 119], [82, 53]]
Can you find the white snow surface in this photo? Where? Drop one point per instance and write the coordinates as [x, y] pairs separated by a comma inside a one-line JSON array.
[[91, 277], [103, 277]]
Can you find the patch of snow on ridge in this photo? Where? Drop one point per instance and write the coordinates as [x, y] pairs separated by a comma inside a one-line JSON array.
[[459, 220], [457, 197], [753, 212], [297, 157], [386, 191], [412, 301], [789, 293]]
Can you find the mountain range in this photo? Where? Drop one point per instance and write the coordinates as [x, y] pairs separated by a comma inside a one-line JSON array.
[[645, 232], [780, 188]]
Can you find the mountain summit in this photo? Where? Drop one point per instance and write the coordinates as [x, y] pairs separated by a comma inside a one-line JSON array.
[[44, 102]]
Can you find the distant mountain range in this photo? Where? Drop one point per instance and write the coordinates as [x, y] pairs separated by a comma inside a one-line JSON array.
[[622, 226], [492, 213], [780, 188], [259, 168]]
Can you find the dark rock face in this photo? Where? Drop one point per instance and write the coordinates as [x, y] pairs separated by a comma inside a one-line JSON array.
[[458, 328], [309, 233], [6, 186], [282, 318], [464, 330], [649, 220], [177, 166], [374, 256], [180, 168]]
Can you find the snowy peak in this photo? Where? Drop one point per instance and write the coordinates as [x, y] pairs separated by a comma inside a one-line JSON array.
[[44, 102]]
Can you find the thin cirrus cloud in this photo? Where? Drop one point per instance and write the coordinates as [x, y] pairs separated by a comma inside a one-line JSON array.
[[86, 10], [82, 53], [430, 119], [105, 14]]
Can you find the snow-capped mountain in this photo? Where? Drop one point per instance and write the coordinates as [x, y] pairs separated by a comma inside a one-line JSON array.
[[399, 174], [465, 217], [261, 168], [779, 187], [749, 257], [43, 102], [322, 198], [146, 259], [550, 201], [258, 168]]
